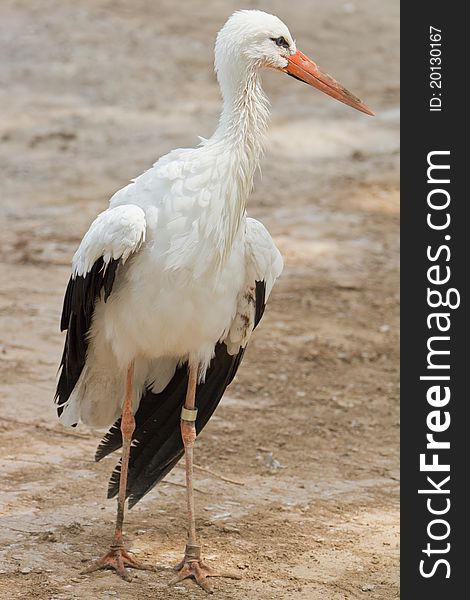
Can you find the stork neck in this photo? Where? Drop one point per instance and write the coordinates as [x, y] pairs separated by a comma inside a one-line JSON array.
[[234, 151], [238, 141], [244, 117]]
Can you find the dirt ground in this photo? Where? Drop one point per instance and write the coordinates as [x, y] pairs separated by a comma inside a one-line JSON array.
[[92, 92]]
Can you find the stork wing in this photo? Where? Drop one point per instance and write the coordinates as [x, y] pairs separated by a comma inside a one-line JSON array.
[[263, 264], [113, 236], [157, 444]]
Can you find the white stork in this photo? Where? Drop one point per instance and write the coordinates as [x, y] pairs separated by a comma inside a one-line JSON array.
[[169, 282]]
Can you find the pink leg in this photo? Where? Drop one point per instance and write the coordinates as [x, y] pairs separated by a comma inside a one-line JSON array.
[[192, 565], [118, 558]]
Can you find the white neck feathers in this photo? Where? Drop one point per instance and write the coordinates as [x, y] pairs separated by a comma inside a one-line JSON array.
[[222, 176], [237, 145]]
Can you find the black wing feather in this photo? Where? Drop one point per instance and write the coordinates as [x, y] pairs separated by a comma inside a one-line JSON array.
[[157, 444], [77, 314]]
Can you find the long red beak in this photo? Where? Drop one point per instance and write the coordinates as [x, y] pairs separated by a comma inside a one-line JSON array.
[[301, 67]]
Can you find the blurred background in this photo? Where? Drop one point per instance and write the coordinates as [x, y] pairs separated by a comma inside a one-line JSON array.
[[92, 92]]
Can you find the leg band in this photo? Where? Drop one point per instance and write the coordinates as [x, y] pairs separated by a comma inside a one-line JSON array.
[[188, 414]]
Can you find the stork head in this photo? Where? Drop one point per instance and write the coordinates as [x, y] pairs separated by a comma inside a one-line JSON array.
[[252, 39]]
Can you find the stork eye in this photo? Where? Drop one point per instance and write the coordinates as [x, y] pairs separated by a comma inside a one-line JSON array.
[[281, 42]]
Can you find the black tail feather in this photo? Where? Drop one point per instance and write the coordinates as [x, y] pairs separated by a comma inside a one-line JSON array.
[[112, 441], [157, 444]]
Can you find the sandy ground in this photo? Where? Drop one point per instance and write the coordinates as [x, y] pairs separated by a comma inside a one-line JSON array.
[[92, 92]]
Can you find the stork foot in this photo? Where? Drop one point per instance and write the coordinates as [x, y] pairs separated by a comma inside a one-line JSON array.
[[118, 559], [193, 566]]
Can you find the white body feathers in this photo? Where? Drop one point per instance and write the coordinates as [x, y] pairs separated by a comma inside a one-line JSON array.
[[190, 259]]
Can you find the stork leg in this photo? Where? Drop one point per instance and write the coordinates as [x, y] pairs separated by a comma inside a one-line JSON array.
[[192, 564], [118, 558]]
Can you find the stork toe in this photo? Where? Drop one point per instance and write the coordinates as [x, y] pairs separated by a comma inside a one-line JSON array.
[[118, 559], [200, 572]]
